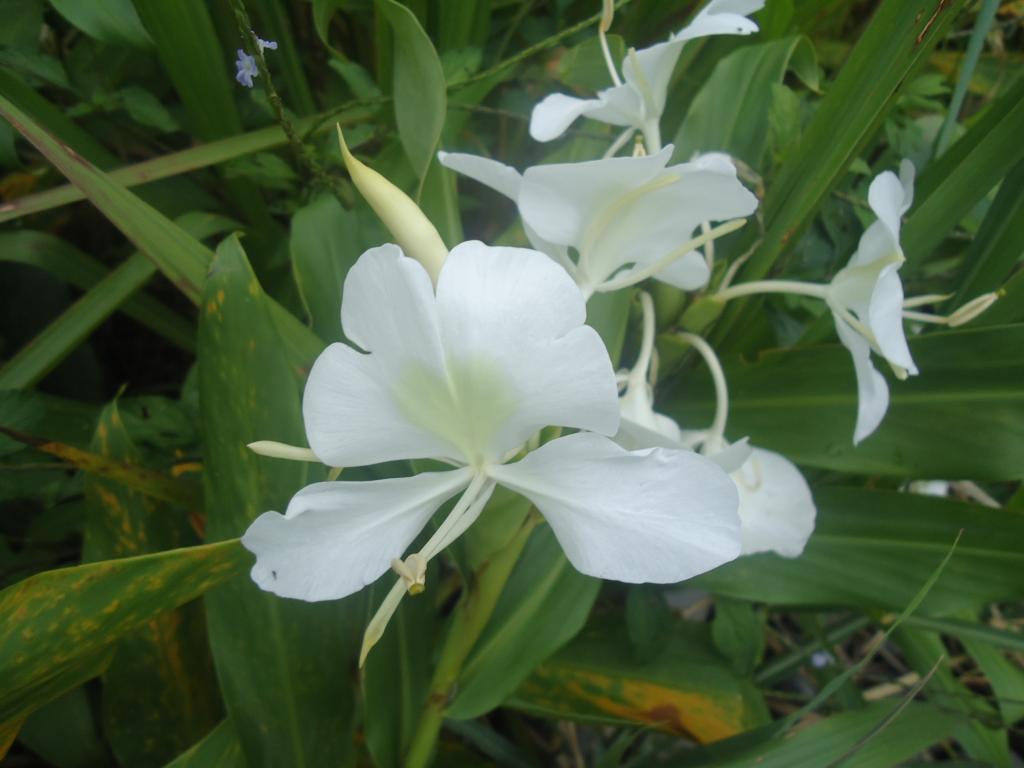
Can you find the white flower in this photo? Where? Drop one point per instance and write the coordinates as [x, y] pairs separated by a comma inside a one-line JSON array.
[[776, 508], [866, 298], [626, 218], [638, 101], [467, 374]]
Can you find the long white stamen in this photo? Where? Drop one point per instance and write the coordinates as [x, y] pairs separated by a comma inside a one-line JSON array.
[[375, 629], [620, 142], [632, 278], [756, 287], [602, 34], [925, 317], [638, 375], [277, 450], [931, 298], [716, 432], [462, 506], [461, 523]]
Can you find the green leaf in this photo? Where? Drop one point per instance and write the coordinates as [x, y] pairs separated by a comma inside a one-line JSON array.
[[58, 627], [419, 87], [285, 666], [325, 242], [271, 18], [63, 260], [397, 675], [184, 161], [544, 604], [218, 749], [728, 113], [685, 688], [64, 732], [896, 42], [962, 417], [873, 549], [828, 742], [738, 633], [952, 185], [110, 21], [998, 245], [157, 692]]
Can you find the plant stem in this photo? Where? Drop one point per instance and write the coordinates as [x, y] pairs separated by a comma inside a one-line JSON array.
[[468, 622], [303, 154]]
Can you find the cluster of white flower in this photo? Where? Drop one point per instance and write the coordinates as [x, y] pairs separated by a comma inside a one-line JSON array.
[[465, 356]]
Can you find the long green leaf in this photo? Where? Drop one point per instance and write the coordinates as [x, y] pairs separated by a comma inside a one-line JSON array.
[[962, 417], [419, 86], [158, 696], [284, 665], [183, 161], [951, 186], [218, 749], [872, 549], [58, 626]]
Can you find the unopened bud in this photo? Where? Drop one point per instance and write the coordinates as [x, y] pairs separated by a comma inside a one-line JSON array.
[[607, 12], [972, 309], [412, 230]]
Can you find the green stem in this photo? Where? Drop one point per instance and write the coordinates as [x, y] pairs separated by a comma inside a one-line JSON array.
[[471, 617]]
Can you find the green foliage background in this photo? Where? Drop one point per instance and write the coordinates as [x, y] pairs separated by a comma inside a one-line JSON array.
[[171, 263]]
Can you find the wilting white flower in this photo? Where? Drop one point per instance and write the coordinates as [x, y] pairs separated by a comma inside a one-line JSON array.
[[866, 298], [776, 509], [638, 101], [626, 218], [467, 374]]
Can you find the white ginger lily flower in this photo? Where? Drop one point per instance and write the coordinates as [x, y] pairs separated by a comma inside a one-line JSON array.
[[776, 509], [467, 374], [866, 298], [627, 218], [637, 101]]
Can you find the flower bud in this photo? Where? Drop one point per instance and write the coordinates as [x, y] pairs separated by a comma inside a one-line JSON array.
[[972, 309], [412, 230]]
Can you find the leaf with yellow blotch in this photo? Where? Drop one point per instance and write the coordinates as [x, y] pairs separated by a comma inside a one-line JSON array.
[[684, 688], [57, 627]]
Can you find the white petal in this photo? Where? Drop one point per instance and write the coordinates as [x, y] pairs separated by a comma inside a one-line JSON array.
[[722, 17], [498, 176], [362, 409], [552, 116], [885, 196], [641, 427], [655, 515], [776, 507], [885, 317], [645, 227], [734, 456], [354, 417], [560, 200], [619, 105], [689, 272], [872, 391], [656, 65], [338, 537], [519, 356]]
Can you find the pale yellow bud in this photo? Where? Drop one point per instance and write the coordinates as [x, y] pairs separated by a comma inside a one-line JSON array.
[[972, 309], [607, 13], [412, 230]]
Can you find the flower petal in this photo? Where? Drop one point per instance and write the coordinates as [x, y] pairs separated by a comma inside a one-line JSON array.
[[655, 515], [890, 196], [337, 537], [498, 176], [560, 200], [872, 391], [518, 353], [885, 317], [689, 272], [363, 409], [722, 17], [776, 507], [656, 64], [553, 116]]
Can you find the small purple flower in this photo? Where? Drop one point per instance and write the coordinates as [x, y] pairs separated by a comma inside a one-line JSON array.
[[246, 64], [247, 70]]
